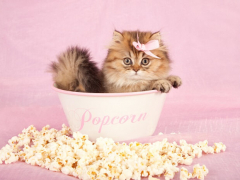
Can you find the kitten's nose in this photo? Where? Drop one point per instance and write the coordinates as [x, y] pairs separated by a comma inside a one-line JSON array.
[[136, 69]]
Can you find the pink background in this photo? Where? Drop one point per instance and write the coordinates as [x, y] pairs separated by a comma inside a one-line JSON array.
[[203, 38]]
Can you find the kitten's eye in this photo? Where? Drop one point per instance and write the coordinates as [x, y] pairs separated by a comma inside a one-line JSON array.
[[127, 61], [145, 61]]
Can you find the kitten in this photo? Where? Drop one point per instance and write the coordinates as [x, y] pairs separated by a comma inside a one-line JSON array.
[[125, 68]]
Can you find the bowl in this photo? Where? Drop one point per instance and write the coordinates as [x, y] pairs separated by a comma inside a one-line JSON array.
[[120, 116]]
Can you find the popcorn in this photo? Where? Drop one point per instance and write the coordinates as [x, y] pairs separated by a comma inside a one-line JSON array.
[[68, 170], [104, 159], [13, 140], [197, 152], [55, 166], [7, 155], [126, 174], [218, 147], [170, 171], [186, 160], [184, 174], [199, 171]]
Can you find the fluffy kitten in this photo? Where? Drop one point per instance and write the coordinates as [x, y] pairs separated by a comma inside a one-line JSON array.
[[125, 69]]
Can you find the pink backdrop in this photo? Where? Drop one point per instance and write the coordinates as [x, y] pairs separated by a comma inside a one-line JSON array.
[[203, 38]]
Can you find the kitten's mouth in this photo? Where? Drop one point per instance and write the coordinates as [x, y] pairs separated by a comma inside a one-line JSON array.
[[136, 76]]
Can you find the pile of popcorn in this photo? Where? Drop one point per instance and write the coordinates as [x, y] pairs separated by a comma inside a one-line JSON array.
[[75, 155]]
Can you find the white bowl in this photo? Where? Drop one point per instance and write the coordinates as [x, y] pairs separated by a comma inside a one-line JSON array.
[[120, 116]]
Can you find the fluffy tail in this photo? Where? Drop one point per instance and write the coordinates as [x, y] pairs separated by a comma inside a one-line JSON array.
[[75, 71]]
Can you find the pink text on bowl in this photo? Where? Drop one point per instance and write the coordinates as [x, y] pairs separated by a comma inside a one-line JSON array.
[[87, 117]]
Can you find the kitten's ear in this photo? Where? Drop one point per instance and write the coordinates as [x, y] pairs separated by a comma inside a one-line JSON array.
[[117, 36], [156, 36]]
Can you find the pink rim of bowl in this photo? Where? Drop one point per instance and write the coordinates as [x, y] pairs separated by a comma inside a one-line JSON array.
[[103, 94]]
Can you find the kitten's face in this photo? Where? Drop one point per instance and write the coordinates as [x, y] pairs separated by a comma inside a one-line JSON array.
[[125, 63]]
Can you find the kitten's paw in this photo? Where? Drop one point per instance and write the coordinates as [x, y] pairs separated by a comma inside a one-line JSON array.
[[162, 85], [175, 81]]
